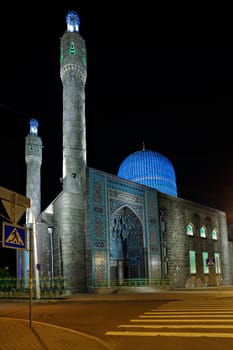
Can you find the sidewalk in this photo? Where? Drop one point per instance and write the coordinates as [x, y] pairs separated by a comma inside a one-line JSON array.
[[17, 334]]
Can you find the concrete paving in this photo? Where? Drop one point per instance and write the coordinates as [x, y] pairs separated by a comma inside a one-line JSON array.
[[20, 335]]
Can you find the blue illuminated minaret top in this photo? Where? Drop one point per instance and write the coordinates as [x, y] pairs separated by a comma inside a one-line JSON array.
[[73, 21], [34, 127]]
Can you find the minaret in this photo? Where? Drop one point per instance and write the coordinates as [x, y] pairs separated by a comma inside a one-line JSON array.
[[69, 211], [73, 75], [33, 158]]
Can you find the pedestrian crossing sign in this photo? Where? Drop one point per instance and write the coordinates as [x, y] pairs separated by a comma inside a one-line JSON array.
[[13, 236], [210, 262]]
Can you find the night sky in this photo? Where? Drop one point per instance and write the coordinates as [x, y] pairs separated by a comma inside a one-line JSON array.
[[162, 76]]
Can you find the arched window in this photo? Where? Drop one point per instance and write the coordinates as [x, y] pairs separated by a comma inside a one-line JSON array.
[[214, 234], [203, 232], [189, 229], [72, 50]]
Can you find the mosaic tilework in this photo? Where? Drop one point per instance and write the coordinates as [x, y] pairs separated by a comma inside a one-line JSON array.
[[98, 227], [114, 205]]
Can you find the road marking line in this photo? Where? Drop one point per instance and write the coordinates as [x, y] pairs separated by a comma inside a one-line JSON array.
[[192, 308], [180, 316], [187, 312], [223, 326], [170, 334], [185, 320]]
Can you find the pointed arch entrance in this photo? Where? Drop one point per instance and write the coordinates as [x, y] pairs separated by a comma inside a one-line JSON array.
[[127, 260]]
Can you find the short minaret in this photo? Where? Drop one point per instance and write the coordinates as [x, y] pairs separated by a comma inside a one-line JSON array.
[[69, 215], [33, 158]]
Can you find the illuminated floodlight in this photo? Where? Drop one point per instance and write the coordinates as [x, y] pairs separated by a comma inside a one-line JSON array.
[[34, 127], [72, 20]]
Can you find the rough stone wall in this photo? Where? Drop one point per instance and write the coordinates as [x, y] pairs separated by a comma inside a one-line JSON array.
[[45, 246], [69, 241], [178, 213], [226, 252], [174, 242], [44, 255]]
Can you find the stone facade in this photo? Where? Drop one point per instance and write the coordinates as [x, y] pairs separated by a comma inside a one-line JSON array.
[[156, 233], [177, 215], [104, 231]]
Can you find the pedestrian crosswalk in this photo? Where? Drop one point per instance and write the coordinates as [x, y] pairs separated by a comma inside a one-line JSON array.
[[182, 319]]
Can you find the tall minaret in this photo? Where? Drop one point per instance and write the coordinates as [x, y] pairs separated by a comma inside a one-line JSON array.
[[73, 75], [33, 158], [69, 214]]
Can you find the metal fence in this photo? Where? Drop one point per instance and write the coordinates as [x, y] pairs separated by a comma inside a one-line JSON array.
[[11, 287], [15, 287], [132, 282]]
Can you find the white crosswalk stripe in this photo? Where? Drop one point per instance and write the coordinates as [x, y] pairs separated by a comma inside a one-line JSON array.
[[210, 319]]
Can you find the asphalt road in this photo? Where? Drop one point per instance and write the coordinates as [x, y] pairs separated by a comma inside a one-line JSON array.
[[190, 320]]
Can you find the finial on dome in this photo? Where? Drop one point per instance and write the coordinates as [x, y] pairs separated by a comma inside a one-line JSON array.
[[143, 146], [72, 21]]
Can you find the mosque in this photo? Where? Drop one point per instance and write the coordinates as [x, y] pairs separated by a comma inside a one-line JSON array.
[[110, 231]]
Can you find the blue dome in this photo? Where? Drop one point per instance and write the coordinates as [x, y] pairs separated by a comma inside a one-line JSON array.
[[150, 168]]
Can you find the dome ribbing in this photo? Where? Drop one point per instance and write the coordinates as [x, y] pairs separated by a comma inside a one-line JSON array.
[[150, 168]]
